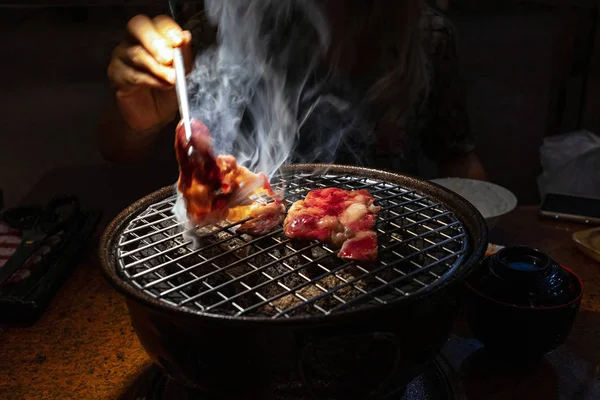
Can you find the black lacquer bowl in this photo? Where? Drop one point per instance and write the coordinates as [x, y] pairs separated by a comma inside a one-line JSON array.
[[521, 303]]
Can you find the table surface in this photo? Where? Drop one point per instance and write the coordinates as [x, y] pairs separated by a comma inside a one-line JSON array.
[[84, 346]]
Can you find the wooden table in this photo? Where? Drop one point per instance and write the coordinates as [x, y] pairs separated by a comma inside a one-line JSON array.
[[85, 348]]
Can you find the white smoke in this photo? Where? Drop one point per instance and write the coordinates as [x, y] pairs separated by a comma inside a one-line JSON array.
[[262, 85], [248, 89]]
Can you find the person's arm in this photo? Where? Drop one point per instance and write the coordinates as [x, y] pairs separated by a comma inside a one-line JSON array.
[[118, 142], [449, 140]]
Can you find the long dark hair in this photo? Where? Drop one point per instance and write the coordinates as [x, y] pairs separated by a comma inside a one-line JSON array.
[[381, 38]]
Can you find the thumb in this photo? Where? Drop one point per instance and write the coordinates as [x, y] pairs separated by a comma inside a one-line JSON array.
[[186, 49]]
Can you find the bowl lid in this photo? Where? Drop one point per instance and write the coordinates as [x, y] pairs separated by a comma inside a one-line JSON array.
[[524, 276]]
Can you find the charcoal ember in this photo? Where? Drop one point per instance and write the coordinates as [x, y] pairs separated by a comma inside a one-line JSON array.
[[323, 254], [286, 302], [312, 291], [221, 259], [239, 248], [342, 292], [265, 241]]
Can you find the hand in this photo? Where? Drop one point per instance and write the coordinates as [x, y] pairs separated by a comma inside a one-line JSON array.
[[141, 70]]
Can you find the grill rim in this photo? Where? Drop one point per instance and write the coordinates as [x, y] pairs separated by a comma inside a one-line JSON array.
[[465, 212]]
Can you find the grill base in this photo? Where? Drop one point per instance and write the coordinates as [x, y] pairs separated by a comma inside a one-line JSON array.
[[437, 382]]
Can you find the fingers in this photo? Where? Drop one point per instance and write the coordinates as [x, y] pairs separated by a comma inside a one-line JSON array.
[[139, 58], [178, 38], [158, 36], [145, 32], [124, 76], [186, 48], [169, 29], [146, 58]]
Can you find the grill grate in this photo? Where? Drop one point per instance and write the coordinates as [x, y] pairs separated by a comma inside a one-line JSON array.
[[227, 273]]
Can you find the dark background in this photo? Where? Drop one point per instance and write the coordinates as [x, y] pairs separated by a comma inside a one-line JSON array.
[[530, 70]]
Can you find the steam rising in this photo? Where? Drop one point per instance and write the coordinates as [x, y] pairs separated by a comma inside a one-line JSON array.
[[263, 92], [258, 87]]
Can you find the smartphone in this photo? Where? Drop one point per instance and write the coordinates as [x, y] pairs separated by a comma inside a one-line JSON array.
[[584, 210]]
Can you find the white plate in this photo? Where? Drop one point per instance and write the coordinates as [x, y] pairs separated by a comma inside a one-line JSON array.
[[491, 200], [588, 241]]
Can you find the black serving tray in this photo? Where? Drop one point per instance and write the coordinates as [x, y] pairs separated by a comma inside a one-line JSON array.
[[23, 303]]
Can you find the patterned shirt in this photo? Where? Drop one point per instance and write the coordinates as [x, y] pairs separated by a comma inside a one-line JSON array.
[[435, 129]]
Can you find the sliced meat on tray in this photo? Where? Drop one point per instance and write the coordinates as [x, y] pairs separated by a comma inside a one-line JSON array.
[[344, 218]]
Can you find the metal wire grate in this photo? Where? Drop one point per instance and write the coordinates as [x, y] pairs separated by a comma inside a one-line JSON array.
[[420, 243]]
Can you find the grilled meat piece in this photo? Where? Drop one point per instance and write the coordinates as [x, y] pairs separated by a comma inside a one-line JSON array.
[[361, 247], [341, 217], [265, 218], [216, 188]]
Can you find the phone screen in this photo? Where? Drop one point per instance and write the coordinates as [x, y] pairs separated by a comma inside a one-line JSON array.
[[571, 205]]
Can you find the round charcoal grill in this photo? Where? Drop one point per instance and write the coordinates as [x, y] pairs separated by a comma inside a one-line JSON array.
[[397, 311], [225, 273]]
